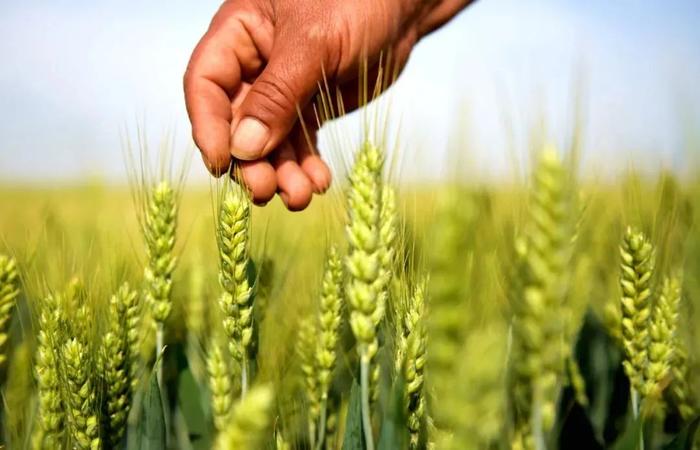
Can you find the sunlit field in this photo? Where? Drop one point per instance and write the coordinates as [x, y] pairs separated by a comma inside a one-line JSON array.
[[539, 314]]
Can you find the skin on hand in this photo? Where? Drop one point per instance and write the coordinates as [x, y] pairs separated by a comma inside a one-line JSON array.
[[260, 63]]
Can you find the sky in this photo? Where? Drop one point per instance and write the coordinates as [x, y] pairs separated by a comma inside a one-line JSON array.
[[74, 75]]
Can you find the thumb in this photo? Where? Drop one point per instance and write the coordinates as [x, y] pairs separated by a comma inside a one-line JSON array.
[[269, 110]]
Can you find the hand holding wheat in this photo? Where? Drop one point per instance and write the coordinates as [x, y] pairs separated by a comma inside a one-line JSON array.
[[262, 60]]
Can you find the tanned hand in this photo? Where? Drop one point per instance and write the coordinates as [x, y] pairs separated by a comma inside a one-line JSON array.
[[261, 62]]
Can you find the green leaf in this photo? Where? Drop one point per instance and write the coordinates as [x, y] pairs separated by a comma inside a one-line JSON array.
[[607, 388], [684, 440], [151, 425], [354, 439], [631, 436], [189, 395], [394, 429], [574, 425]]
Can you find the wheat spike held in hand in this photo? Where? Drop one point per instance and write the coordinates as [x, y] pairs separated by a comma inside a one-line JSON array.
[[237, 300]]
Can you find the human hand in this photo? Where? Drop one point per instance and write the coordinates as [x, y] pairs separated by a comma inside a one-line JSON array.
[[260, 60]]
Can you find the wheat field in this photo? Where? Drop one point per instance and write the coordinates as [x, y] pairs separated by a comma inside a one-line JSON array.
[[550, 313]]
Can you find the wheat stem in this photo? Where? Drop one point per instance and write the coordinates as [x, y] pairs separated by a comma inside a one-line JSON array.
[[322, 424], [244, 378], [365, 397]]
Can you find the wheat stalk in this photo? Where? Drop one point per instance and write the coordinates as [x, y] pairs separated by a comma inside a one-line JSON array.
[[9, 291]]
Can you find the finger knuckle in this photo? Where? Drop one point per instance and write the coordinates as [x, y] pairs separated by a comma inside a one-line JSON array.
[[277, 94]]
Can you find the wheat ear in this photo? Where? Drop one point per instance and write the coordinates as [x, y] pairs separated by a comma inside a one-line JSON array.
[[220, 376], [662, 336], [251, 420], [637, 255], [410, 359], [159, 228], [237, 301], [81, 405], [51, 411], [305, 349], [329, 318], [540, 344], [9, 291], [117, 353], [365, 294]]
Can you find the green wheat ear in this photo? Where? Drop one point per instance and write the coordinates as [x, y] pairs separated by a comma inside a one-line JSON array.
[[637, 266], [83, 422], [680, 391], [250, 423], [329, 318], [367, 282], [317, 348], [662, 336], [159, 227], [51, 408], [280, 443], [364, 294], [220, 377], [233, 234], [9, 291], [119, 360], [306, 345], [539, 287], [411, 359]]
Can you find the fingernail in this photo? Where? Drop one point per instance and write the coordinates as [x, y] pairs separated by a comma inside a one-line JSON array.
[[210, 167], [285, 198], [324, 186], [249, 139]]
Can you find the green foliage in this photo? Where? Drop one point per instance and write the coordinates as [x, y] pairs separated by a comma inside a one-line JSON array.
[[354, 439], [151, 431]]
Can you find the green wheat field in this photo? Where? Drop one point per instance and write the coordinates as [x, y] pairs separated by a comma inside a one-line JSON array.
[[547, 313]]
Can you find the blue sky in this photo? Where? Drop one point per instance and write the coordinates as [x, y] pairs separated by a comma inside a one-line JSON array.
[[75, 73]]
